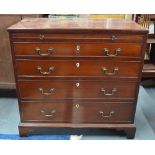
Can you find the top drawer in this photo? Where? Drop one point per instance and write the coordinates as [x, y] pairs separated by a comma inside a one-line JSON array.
[[77, 49], [106, 37]]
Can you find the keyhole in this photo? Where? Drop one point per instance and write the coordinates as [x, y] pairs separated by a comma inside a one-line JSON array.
[[77, 65], [77, 106], [78, 48], [77, 84]]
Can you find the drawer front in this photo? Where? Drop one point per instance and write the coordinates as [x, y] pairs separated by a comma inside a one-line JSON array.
[[93, 68], [77, 49], [77, 112], [40, 111], [104, 112], [19, 37], [60, 89]]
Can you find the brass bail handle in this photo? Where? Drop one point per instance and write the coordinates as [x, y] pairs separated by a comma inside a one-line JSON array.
[[106, 92], [50, 114], [46, 93], [50, 69], [49, 51], [103, 115], [105, 70], [107, 52]]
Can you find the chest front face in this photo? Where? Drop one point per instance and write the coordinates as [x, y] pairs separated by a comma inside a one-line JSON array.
[[83, 74]]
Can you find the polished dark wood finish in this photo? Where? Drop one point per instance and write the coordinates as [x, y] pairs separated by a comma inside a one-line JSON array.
[[77, 112], [77, 73], [90, 36], [76, 89], [129, 129], [77, 49], [92, 25], [28, 68]]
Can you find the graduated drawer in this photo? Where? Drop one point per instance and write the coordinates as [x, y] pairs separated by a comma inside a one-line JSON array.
[[77, 49], [61, 89], [75, 68], [77, 112]]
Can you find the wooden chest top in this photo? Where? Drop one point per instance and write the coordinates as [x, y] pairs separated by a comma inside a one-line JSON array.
[[75, 25]]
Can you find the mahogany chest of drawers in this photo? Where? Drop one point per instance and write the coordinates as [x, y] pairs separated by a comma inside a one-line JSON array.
[[77, 73]]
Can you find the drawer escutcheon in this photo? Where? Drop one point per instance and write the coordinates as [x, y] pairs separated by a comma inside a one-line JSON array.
[[77, 106], [77, 65], [77, 84], [78, 48]]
